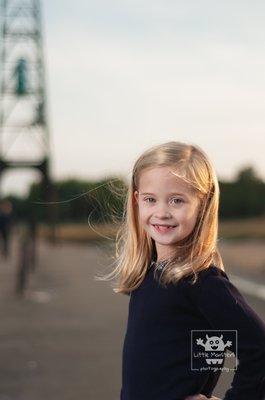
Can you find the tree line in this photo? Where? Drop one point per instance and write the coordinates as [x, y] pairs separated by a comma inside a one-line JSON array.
[[102, 201]]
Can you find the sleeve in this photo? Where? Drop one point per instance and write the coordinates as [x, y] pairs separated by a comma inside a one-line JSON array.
[[225, 308]]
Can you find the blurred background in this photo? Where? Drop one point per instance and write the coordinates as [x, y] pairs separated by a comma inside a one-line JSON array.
[[85, 87]]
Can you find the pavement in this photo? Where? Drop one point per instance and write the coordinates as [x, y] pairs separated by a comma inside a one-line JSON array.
[[63, 339]]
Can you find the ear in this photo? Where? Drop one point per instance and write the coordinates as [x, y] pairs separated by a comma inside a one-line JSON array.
[[136, 196]]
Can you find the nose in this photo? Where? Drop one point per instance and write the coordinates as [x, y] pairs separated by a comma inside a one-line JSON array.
[[162, 212]]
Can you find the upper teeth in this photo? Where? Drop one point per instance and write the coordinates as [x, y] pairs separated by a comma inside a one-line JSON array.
[[166, 226]]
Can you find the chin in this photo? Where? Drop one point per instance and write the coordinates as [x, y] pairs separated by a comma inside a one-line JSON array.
[[166, 241]]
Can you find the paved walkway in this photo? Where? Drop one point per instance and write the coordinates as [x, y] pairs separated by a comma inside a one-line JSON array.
[[63, 341]]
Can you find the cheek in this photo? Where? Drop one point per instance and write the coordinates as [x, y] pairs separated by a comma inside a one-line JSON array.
[[188, 215], [144, 213], [194, 215]]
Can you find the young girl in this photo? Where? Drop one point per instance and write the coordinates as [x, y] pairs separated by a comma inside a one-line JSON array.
[[169, 264]]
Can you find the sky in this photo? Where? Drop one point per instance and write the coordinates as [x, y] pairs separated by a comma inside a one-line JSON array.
[[128, 74]]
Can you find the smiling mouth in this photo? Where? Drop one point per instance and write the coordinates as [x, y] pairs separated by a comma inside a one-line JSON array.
[[164, 228]]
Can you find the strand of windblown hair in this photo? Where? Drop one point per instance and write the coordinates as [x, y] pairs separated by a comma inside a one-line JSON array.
[[75, 197]]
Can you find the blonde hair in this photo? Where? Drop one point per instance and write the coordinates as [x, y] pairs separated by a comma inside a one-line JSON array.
[[135, 247]]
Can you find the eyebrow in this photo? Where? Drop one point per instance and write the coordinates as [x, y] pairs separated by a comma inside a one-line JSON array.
[[170, 194]]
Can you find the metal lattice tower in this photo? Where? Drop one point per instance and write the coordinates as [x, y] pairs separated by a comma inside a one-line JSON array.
[[24, 133]]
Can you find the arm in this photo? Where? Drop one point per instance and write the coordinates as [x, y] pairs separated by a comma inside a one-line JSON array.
[[225, 308]]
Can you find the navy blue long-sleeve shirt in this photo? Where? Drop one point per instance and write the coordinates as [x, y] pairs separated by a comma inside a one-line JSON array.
[[156, 360]]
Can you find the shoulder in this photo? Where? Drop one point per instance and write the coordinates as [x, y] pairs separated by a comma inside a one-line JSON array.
[[212, 272], [209, 279], [207, 274], [214, 291]]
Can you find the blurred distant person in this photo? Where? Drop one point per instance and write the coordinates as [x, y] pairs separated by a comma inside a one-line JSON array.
[[6, 211]]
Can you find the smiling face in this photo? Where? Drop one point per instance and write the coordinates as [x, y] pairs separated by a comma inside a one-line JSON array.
[[168, 208]]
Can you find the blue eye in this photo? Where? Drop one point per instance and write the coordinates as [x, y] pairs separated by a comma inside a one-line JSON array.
[[148, 198], [179, 200]]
